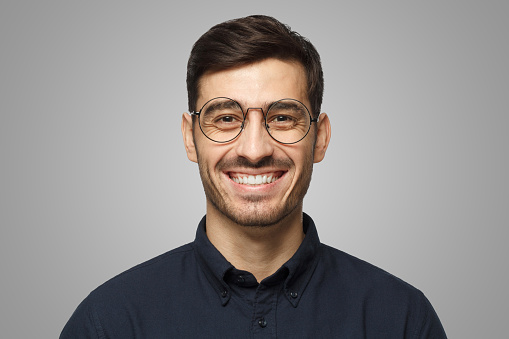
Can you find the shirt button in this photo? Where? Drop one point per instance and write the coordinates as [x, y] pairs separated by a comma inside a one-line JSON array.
[[294, 295], [262, 322], [240, 279], [224, 293]]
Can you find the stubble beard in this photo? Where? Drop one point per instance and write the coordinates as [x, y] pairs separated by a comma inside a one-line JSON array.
[[254, 212]]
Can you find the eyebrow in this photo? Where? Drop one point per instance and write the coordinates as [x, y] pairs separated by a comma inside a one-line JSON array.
[[289, 104], [224, 103], [220, 104]]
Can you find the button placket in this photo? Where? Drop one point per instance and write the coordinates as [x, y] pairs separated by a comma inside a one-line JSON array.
[[264, 312]]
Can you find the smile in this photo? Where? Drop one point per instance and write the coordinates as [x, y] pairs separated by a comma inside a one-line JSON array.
[[253, 180]]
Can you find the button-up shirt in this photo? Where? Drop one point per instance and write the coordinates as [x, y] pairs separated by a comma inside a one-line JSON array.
[[194, 292]]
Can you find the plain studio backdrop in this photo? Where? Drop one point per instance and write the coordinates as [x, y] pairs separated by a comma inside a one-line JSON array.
[[94, 177]]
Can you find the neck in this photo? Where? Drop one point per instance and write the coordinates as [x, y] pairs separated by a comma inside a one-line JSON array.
[[258, 250]]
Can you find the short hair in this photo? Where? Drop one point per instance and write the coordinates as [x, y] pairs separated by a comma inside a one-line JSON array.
[[247, 40]]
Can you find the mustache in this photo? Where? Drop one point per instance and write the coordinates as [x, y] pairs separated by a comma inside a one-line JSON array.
[[245, 163]]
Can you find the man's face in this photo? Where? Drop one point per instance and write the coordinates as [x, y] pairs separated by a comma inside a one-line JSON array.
[[254, 153]]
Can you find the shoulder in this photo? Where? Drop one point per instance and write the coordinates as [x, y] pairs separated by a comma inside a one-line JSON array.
[[357, 272], [151, 284], [385, 300], [161, 269], [171, 259]]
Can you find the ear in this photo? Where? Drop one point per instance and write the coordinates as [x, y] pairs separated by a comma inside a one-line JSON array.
[[187, 135], [322, 137]]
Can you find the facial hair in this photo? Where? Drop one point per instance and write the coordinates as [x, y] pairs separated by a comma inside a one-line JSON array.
[[253, 211]]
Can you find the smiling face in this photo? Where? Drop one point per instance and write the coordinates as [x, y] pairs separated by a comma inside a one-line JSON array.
[[253, 180]]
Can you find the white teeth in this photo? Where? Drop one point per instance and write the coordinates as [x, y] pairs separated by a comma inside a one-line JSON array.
[[255, 180]]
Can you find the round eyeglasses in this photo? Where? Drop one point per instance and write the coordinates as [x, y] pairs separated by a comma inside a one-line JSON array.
[[222, 120]]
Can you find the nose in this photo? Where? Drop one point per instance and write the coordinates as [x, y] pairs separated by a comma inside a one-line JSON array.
[[254, 143]]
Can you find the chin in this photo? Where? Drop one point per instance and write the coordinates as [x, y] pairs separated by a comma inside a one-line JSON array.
[[257, 214]]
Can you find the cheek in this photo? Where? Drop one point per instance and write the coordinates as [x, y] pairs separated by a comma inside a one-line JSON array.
[[210, 155], [302, 157]]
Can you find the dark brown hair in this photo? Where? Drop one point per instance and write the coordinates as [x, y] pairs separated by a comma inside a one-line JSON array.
[[247, 40]]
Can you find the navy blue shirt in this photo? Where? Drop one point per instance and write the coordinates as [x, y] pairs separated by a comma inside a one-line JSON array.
[[194, 292]]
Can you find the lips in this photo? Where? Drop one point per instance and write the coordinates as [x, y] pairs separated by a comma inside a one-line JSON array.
[[255, 179]]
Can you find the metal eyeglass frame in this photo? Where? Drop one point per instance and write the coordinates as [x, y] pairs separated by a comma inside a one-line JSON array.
[[244, 115]]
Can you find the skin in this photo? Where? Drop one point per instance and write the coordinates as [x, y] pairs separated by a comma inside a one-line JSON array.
[[256, 228]]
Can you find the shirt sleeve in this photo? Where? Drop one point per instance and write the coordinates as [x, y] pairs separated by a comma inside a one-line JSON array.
[[431, 326], [83, 324]]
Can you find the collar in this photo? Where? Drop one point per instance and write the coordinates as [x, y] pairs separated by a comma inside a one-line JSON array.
[[296, 272]]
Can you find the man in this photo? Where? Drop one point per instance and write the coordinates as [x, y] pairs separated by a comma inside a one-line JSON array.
[[256, 267]]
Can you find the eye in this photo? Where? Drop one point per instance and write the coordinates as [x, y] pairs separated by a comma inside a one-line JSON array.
[[280, 118], [226, 119]]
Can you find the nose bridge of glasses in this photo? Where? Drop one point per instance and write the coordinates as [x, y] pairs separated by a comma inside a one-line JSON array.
[[255, 109], [254, 116]]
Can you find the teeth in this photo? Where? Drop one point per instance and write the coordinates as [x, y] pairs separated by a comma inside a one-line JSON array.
[[255, 180]]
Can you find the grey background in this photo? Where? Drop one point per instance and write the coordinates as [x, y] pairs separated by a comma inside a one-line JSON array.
[[94, 178]]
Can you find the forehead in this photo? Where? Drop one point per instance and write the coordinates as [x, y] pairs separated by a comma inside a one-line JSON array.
[[256, 84]]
